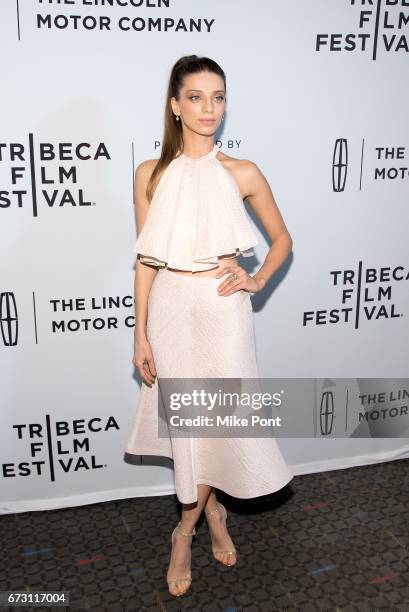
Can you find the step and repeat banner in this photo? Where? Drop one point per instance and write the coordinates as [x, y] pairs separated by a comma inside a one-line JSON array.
[[316, 97]]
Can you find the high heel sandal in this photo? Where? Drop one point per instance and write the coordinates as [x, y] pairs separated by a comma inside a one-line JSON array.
[[229, 552], [187, 579]]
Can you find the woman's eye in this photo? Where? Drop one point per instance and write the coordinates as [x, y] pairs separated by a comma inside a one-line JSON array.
[[221, 98]]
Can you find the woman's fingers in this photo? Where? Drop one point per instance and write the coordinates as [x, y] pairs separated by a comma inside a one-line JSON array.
[[151, 365], [146, 367], [229, 286], [146, 374]]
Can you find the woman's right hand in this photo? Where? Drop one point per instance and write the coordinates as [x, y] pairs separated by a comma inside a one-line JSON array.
[[143, 360]]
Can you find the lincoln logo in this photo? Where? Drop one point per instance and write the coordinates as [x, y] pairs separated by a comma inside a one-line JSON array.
[[8, 318], [326, 412], [339, 164]]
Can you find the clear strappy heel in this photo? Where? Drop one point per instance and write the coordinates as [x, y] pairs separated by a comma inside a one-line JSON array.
[[188, 578], [228, 552]]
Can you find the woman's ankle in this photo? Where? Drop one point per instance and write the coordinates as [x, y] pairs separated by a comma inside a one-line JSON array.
[[186, 526], [212, 506]]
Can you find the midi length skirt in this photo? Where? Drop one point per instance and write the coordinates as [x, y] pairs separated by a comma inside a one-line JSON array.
[[195, 332]]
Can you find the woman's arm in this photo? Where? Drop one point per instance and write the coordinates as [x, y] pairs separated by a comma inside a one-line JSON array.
[[264, 205], [144, 277], [144, 274]]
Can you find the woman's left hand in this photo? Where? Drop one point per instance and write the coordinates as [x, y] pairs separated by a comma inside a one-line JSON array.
[[243, 280]]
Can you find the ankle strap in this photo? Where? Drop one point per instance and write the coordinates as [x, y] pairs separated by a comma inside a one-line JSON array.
[[185, 533], [217, 509]]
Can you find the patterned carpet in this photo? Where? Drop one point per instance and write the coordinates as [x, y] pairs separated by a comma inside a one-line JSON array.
[[333, 541]]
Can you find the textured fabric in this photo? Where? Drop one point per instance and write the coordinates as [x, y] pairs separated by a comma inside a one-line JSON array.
[[196, 333], [196, 214]]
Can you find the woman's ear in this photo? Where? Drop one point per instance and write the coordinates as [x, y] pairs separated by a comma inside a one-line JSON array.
[[174, 106]]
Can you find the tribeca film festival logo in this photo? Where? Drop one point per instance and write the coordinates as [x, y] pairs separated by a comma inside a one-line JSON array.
[[364, 293], [62, 317], [45, 173], [393, 156], [380, 25], [56, 448]]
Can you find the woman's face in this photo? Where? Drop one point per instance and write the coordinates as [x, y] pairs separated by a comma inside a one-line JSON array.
[[201, 97]]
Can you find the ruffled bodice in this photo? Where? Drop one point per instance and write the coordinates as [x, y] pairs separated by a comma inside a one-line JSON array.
[[196, 214]]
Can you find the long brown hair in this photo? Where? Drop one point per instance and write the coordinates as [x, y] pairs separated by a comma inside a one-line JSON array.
[[172, 142]]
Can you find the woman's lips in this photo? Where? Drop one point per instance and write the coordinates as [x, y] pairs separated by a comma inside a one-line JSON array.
[[207, 120]]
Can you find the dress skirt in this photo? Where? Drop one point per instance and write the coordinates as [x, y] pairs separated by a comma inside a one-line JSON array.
[[195, 332]]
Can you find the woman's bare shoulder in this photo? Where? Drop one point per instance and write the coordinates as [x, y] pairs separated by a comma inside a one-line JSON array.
[[243, 170], [143, 171], [237, 164], [146, 167]]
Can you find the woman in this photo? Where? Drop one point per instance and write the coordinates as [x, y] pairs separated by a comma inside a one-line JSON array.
[[193, 309]]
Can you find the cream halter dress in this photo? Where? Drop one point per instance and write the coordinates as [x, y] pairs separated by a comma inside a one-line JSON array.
[[196, 215]]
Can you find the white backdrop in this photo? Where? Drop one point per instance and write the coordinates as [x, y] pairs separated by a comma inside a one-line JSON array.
[[316, 97]]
